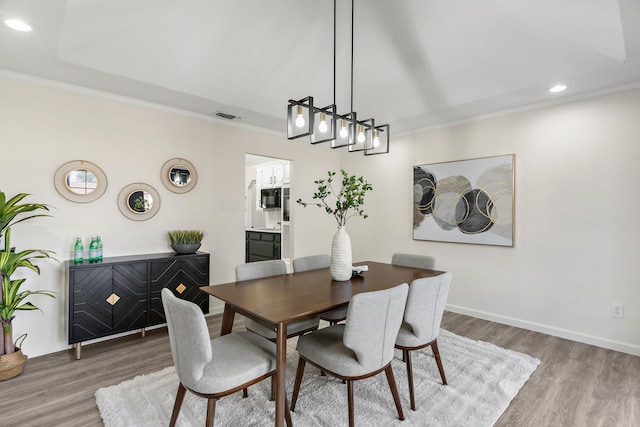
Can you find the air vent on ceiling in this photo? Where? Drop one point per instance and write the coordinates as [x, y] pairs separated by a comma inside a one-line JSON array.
[[226, 115]]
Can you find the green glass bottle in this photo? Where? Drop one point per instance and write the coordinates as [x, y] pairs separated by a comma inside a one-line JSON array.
[[99, 251], [78, 251], [93, 250]]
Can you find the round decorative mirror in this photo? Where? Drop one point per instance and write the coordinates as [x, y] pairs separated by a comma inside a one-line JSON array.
[[80, 181], [139, 201], [179, 175]]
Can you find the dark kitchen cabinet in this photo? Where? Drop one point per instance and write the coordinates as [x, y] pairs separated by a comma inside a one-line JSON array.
[[262, 246], [121, 294]]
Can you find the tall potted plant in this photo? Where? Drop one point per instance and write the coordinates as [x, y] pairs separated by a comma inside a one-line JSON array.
[[12, 208], [12, 298], [349, 202]]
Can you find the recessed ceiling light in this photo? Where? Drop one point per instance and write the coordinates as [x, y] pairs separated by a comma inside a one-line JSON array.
[[558, 88], [19, 25]]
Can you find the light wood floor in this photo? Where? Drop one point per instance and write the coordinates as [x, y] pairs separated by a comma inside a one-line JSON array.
[[575, 385]]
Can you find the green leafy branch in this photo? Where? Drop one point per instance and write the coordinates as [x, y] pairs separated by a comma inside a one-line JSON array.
[[349, 199]]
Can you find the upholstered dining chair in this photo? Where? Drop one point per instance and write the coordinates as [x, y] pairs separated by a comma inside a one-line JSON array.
[[262, 269], [316, 262], [413, 260], [361, 348], [421, 326], [213, 368]]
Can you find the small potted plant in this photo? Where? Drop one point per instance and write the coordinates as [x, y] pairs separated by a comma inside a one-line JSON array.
[[185, 241], [12, 297], [349, 202]]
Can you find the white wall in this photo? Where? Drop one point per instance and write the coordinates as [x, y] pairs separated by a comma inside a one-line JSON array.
[[577, 234], [42, 128]]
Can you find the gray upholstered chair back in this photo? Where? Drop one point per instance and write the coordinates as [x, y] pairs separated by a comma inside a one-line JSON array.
[[312, 262], [425, 305], [188, 336], [260, 269], [373, 321], [413, 260]]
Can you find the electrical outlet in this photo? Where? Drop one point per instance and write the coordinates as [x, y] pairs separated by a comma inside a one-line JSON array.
[[617, 310]]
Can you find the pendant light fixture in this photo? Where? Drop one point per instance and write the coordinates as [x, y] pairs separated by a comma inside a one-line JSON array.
[[326, 125]]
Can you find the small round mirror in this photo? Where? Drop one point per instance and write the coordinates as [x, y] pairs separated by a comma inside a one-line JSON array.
[[80, 181], [179, 175], [139, 201]]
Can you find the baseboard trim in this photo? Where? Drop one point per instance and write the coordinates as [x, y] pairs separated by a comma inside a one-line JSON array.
[[549, 330], [532, 326]]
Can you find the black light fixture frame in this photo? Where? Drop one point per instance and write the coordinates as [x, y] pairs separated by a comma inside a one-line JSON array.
[[371, 151], [368, 126], [306, 103], [352, 120], [330, 111]]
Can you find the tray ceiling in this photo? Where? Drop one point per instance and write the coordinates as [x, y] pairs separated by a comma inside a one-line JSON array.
[[417, 63]]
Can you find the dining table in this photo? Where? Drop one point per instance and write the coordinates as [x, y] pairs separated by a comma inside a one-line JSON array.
[[279, 300]]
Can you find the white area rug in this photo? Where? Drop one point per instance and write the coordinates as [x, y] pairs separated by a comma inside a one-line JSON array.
[[482, 377]]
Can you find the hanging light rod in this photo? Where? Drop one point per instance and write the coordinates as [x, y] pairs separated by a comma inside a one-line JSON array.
[[324, 124]]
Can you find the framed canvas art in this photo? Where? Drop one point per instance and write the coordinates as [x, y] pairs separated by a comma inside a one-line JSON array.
[[465, 201]]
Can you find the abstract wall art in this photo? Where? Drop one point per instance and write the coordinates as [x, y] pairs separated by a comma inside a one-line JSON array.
[[465, 201]]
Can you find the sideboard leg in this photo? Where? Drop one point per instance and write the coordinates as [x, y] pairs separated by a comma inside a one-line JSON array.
[[143, 332], [78, 347]]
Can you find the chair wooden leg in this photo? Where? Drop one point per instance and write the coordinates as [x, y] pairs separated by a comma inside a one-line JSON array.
[[176, 406], [436, 354], [407, 358], [287, 413], [350, 403], [394, 391], [273, 388], [296, 385], [245, 392], [211, 411]]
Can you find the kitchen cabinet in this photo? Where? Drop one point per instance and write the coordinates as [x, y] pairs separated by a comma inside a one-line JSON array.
[[286, 173], [270, 175], [278, 174], [121, 294], [262, 246]]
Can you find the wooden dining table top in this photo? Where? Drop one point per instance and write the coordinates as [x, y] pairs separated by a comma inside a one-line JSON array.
[[289, 297]]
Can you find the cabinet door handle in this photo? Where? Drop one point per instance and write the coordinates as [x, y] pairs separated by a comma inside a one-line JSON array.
[[113, 299], [181, 288]]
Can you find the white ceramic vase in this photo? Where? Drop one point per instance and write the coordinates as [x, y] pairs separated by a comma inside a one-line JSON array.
[[341, 267]]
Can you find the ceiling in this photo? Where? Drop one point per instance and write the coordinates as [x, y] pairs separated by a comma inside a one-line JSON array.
[[417, 63]]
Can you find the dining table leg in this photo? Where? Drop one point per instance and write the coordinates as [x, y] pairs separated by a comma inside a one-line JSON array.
[[281, 368], [227, 320]]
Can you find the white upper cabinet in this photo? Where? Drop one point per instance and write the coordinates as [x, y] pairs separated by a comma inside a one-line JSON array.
[[286, 178], [272, 175], [265, 176], [278, 174]]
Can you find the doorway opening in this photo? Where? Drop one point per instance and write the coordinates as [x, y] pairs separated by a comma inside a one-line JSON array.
[[268, 221]]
